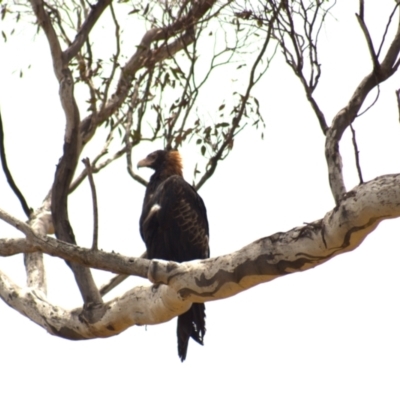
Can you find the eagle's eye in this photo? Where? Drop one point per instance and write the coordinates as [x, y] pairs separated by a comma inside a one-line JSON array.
[[152, 156]]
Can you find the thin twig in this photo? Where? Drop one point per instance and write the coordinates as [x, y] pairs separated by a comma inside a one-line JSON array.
[[295, 58], [387, 28], [238, 116], [115, 59], [128, 142], [361, 12], [398, 100], [133, 175], [146, 56], [86, 161], [96, 168], [356, 153], [116, 280], [373, 103], [371, 49], [95, 12], [8, 175]]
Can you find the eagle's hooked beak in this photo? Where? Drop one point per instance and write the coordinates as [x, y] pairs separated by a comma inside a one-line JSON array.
[[144, 163]]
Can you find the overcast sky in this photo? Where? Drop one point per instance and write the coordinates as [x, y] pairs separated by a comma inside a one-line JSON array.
[[329, 333]]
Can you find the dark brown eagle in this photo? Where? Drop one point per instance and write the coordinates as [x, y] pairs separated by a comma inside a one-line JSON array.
[[174, 227]]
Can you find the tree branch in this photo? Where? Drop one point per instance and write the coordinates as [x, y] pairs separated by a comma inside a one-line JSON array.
[[346, 116], [72, 148], [113, 283], [55, 48], [41, 223], [356, 154], [128, 133], [8, 175], [341, 230], [111, 262], [147, 57], [94, 200], [116, 280], [178, 285], [371, 49], [97, 167], [95, 12], [212, 165]]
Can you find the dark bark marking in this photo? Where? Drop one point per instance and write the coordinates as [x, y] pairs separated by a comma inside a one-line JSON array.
[[66, 333]]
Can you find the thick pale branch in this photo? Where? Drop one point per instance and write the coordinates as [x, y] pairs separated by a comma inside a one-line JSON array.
[[302, 248], [13, 246], [42, 224], [341, 230], [86, 257], [121, 313], [72, 148]]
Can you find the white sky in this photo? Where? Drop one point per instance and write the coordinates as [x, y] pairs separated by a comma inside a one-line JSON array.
[[329, 333]]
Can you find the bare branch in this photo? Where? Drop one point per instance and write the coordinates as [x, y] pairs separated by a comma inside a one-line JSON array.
[[42, 224], [95, 12], [387, 28], [371, 49], [140, 306], [238, 115], [178, 285], [356, 154], [96, 168], [94, 200], [361, 7], [72, 148], [128, 142], [80, 256], [296, 38], [147, 57], [8, 175], [398, 100], [131, 172], [114, 282], [55, 48], [378, 92], [346, 116], [341, 230], [115, 57], [11, 247]]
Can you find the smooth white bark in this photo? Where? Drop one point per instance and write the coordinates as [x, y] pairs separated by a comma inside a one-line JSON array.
[[178, 285]]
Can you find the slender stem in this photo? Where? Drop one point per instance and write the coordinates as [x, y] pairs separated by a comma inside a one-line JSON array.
[[88, 166], [356, 154], [8, 175]]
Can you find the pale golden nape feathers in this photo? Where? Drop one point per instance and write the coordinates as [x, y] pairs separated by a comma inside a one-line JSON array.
[[174, 163]]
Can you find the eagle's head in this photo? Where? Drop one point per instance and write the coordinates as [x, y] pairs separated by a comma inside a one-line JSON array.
[[166, 161]]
